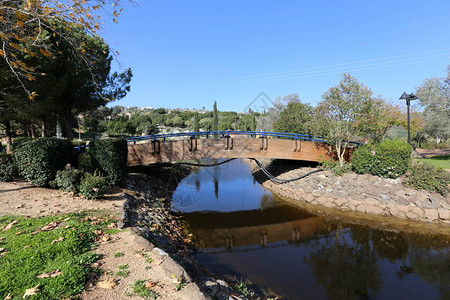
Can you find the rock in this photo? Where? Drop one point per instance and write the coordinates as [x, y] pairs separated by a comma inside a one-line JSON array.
[[403, 208], [402, 201], [374, 210], [385, 197], [431, 214], [143, 242], [309, 198], [321, 200], [418, 211], [329, 204], [361, 208], [412, 216], [191, 291], [445, 205], [396, 212], [340, 201], [349, 176], [443, 214]]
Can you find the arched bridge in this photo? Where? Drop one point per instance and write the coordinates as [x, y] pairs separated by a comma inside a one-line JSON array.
[[225, 144]]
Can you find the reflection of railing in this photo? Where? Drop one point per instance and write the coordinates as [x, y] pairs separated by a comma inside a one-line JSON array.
[[228, 133]]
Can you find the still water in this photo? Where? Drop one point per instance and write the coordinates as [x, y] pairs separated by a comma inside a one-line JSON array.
[[243, 231]]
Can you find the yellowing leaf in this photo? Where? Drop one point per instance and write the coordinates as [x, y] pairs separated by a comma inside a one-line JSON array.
[[31, 77], [31, 292], [10, 225], [108, 284], [58, 240], [50, 274]]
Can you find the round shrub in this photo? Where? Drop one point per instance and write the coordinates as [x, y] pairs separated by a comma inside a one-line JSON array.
[[38, 160], [392, 158], [363, 159], [6, 167], [92, 186], [69, 180], [426, 177], [110, 157], [19, 141]]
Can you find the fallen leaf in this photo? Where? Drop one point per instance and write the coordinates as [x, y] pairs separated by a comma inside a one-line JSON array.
[[48, 227], [10, 225], [138, 255], [50, 274], [149, 284], [112, 225], [98, 232], [31, 292], [2, 249], [26, 247], [19, 233], [108, 284], [58, 240], [106, 238], [8, 297]]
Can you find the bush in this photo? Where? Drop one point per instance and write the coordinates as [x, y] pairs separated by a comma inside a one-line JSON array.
[[92, 186], [426, 177], [363, 159], [392, 159], [69, 180], [19, 141], [38, 160], [85, 162], [110, 157], [6, 167]]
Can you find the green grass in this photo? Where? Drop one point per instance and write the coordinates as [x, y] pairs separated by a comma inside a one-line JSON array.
[[118, 254], [141, 290], [29, 255], [440, 161]]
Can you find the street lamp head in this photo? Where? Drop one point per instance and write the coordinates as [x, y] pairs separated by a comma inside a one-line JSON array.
[[413, 97], [404, 96]]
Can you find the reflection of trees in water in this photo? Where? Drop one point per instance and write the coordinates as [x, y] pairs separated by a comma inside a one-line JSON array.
[[433, 267], [216, 188], [346, 270]]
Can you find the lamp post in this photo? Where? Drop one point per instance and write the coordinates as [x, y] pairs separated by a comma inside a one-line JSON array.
[[408, 98]]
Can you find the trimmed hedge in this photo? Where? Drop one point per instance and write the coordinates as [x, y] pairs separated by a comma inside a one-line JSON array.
[[69, 180], [92, 186], [6, 167], [19, 141], [363, 159], [426, 177], [392, 159], [38, 160], [110, 157]]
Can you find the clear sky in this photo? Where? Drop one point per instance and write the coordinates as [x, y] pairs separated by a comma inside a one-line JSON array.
[[189, 54]]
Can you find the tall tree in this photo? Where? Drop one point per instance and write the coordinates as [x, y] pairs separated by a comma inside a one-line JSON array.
[[338, 115], [434, 95], [295, 117], [196, 125], [215, 120]]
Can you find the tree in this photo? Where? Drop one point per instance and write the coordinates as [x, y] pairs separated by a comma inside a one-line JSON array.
[[25, 27], [295, 117], [341, 113], [196, 125], [215, 120], [434, 95], [120, 125]]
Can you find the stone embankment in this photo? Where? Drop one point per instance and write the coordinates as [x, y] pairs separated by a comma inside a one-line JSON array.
[[364, 194]]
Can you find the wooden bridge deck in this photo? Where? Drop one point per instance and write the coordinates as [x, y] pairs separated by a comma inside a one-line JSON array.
[[156, 151]]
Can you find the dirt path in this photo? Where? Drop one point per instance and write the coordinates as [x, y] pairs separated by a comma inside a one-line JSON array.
[[21, 198]]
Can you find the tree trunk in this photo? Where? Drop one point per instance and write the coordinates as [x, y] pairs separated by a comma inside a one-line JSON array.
[[43, 129], [68, 123], [8, 137]]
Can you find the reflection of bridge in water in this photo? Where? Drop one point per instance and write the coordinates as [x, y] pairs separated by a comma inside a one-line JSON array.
[[252, 229], [225, 144]]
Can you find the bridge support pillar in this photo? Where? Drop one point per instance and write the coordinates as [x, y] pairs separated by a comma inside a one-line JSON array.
[[296, 145], [264, 143], [229, 143], [193, 145], [156, 147]]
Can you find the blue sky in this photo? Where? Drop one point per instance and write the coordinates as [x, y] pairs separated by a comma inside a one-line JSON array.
[[191, 53]]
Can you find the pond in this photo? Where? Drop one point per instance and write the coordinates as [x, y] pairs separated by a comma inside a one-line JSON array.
[[242, 231]]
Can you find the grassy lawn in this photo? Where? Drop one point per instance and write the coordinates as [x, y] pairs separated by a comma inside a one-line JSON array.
[[49, 254], [441, 161]]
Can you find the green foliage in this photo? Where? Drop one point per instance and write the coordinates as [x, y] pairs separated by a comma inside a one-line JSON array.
[[30, 255], [426, 177], [85, 162], [215, 121], [120, 125], [242, 289], [92, 186], [38, 160], [141, 290], [18, 141], [363, 159], [110, 157], [69, 180], [295, 118], [392, 159], [339, 170], [6, 167]]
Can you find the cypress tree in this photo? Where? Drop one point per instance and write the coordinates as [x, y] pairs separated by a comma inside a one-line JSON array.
[[215, 122]]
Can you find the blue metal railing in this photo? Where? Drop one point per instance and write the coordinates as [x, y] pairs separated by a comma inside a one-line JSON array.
[[227, 133]]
